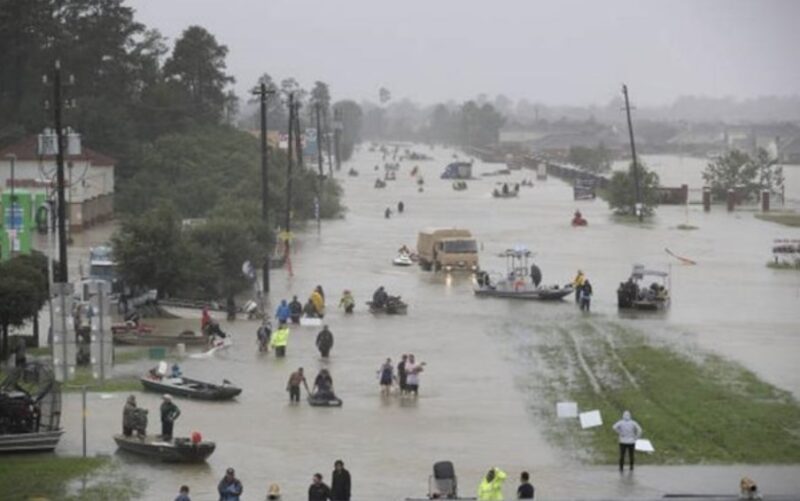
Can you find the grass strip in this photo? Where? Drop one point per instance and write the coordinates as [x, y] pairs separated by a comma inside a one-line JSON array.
[[696, 408], [785, 218]]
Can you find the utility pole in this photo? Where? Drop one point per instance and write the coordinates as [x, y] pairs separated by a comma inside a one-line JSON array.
[[298, 138], [328, 141], [337, 126], [263, 94], [290, 148], [319, 162], [638, 209], [62, 206], [12, 159]]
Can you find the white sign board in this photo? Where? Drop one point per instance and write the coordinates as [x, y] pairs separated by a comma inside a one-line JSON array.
[[590, 419], [567, 409], [644, 445]]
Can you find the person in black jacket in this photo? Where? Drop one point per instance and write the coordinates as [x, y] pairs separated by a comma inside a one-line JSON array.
[[318, 491], [340, 482], [325, 341], [296, 310]]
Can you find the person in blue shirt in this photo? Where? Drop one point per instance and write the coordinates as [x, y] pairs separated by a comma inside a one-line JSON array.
[[229, 488], [183, 495], [283, 313]]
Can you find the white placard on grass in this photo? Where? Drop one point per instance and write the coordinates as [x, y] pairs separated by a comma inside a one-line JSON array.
[[567, 409], [590, 419], [644, 445]]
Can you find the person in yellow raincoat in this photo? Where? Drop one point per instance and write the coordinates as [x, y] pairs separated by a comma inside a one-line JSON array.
[[580, 278], [319, 302], [279, 340], [491, 487]]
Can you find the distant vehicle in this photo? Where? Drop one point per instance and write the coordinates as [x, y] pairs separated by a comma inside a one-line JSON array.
[[583, 189], [637, 294], [458, 170], [448, 249], [103, 267]]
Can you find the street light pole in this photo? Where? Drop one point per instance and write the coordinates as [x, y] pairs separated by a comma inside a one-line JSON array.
[[62, 213]]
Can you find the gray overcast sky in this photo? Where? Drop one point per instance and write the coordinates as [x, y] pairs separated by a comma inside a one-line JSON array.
[[557, 52]]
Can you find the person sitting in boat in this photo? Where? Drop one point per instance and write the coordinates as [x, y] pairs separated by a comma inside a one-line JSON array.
[[295, 310], [387, 213], [347, 302], [176, 371], [505, 188], [323, 386], [205, 319], [404, 251], [380, 298]]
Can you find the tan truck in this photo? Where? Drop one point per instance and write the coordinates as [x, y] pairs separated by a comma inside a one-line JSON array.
[[448, 249]]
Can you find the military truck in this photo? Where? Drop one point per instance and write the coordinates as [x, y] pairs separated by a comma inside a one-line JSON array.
[[447, 249]]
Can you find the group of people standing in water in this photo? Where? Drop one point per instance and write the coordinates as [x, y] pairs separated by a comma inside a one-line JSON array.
[[406, 376]]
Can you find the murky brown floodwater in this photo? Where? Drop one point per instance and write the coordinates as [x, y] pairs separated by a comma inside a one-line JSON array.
[[471, 409]]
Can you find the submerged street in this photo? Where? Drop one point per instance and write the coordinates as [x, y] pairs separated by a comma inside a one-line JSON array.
[[478, 405]]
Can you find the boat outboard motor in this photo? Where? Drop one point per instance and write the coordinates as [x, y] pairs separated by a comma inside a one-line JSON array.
[[443, 483], [536, 275]]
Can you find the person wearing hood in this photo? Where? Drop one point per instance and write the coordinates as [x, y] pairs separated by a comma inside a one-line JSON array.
[[325, 341], [380, 298], [491, 487], [296, 310], [578, 284], [129, 416], [628, 431], [230, 488], [318, 300], [283, 312], [279, 340]]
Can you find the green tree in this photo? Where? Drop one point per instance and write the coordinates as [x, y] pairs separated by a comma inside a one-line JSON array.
[[227, 244], [150, 252], [23, 292], [594, 160], [352, 119], [622, 191], [769, 173], [197, 67], [732, 171]]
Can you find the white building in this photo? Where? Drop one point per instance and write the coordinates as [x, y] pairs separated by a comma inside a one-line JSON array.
[[88, 177]]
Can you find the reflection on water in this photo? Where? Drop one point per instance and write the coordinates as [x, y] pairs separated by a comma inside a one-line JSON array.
[[471, 409]]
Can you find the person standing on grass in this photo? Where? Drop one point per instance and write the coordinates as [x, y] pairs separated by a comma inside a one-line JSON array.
[[628, 431]]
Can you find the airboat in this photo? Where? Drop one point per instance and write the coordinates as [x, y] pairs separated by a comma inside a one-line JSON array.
[[30, 410], [521, 280]]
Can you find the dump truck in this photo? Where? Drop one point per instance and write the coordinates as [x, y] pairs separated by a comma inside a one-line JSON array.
[[447, 249]]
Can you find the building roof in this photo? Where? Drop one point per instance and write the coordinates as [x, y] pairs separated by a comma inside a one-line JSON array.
[[27, 149]]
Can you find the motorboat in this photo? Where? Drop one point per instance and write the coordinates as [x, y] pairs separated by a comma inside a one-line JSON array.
[[394, 306], [505, 191], [520, 281], [637, 294], [178, 450], [30, 409], [133, 337], [460, 185], [403, 259], [189, 388]]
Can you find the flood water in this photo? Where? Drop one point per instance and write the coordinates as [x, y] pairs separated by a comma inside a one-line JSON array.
[[473, 408]]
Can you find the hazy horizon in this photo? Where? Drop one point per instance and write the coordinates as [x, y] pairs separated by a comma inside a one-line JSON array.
[[565, 53]]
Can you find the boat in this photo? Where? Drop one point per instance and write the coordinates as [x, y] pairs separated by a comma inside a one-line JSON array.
[[505, 191], [30, 410], [188, 337], [636, 294], [520, 281], [460, 185], [179, 450], [189, 388], [379, 183], [316, 401], [352, 172], [394, 306], [402, 260]]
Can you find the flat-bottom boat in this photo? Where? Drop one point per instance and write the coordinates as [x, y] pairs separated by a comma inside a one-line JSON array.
[[402, 260], [189, 338], [316, 401], [179, 450], [191, 388], [527, 291], [42, 441]]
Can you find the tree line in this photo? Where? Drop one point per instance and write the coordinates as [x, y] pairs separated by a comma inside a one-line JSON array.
[[167, 115]]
